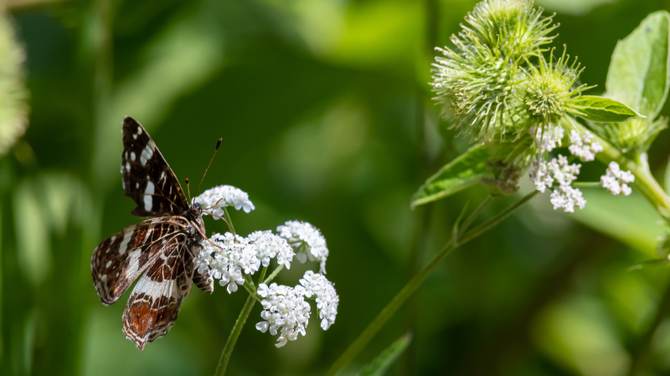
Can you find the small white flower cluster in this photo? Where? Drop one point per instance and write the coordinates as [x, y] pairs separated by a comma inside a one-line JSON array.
[[215, 199], [307, 240], [227, 256], [547, 138], [615, 180], [286, 312], [544, 174], [327, 299], [583, 147]]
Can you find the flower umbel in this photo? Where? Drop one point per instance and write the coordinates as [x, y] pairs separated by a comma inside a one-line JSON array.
[[285, 311], [545, 174], [583, 146], [616, 181], [215, 199], [327, 299], [306, 240]]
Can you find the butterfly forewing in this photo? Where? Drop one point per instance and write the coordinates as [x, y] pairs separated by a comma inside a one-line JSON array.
[[147, 177]]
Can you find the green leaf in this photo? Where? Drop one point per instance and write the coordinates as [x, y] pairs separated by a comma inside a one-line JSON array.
[[638, 75], [463, 172], [629, 219], [600, 109], [667, 177], [387, 357]]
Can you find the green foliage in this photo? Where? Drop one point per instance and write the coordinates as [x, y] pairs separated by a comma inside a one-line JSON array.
[[600, 109], [463, 172], [639, 77], [381, 363], [13, 93]]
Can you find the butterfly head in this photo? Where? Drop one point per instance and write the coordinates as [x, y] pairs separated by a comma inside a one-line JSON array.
[[196, 210]]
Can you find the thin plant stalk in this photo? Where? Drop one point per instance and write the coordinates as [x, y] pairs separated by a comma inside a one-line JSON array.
[[237, 328], [415, 282], [234, 335]]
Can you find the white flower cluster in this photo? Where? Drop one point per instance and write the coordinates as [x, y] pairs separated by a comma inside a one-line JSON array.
[[547, 138], [307, 241], [227, 256], [327, 299], [583, 147], [615, 180], [544, 174], [215, 199], [286, 312]]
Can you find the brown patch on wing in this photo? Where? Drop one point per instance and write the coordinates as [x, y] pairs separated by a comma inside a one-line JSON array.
[[154, 305]]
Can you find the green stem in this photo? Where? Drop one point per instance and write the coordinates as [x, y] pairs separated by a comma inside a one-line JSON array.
[[229, 221], [274, 274], [234, 334], [475, 214], [644, 180], [586, 184], [413, 284]]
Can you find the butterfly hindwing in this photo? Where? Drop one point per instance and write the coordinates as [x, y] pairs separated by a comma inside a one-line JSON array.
[[121, 258], [154, 304], [147, 177]]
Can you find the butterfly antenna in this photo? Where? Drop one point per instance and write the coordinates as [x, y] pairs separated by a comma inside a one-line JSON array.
[[218, 143], [188, 189]]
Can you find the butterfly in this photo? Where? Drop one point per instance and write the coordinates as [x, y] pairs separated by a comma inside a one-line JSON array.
[[161, 248]]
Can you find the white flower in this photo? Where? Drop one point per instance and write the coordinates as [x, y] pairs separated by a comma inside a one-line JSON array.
[[582, 146], [616, 180], [539, 174], [227, 257], [306, 240], [326, 296], [215, 199], [545, 174], [547, 138], [268, 246], [566, 197], [285, 311]]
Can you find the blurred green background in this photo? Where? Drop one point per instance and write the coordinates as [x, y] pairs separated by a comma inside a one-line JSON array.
[[325, 112]]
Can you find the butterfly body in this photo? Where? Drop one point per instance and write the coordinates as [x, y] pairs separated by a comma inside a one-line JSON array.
[[161, 248]]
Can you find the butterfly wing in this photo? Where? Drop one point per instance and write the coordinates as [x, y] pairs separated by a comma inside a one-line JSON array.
[[147, 177], [154, 304], [121, 258]]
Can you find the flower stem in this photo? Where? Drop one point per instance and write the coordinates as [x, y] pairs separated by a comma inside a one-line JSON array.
[[234, 334], [229, 221], [273, 275], [586, 184], [414, 283]]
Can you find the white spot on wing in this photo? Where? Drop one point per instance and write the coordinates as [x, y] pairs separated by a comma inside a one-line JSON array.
[[127, 167], [133, 262], [132, 155], [155, 289], [148, 199], [146, 154], [108, 264], [124, 243], [103, 278]]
